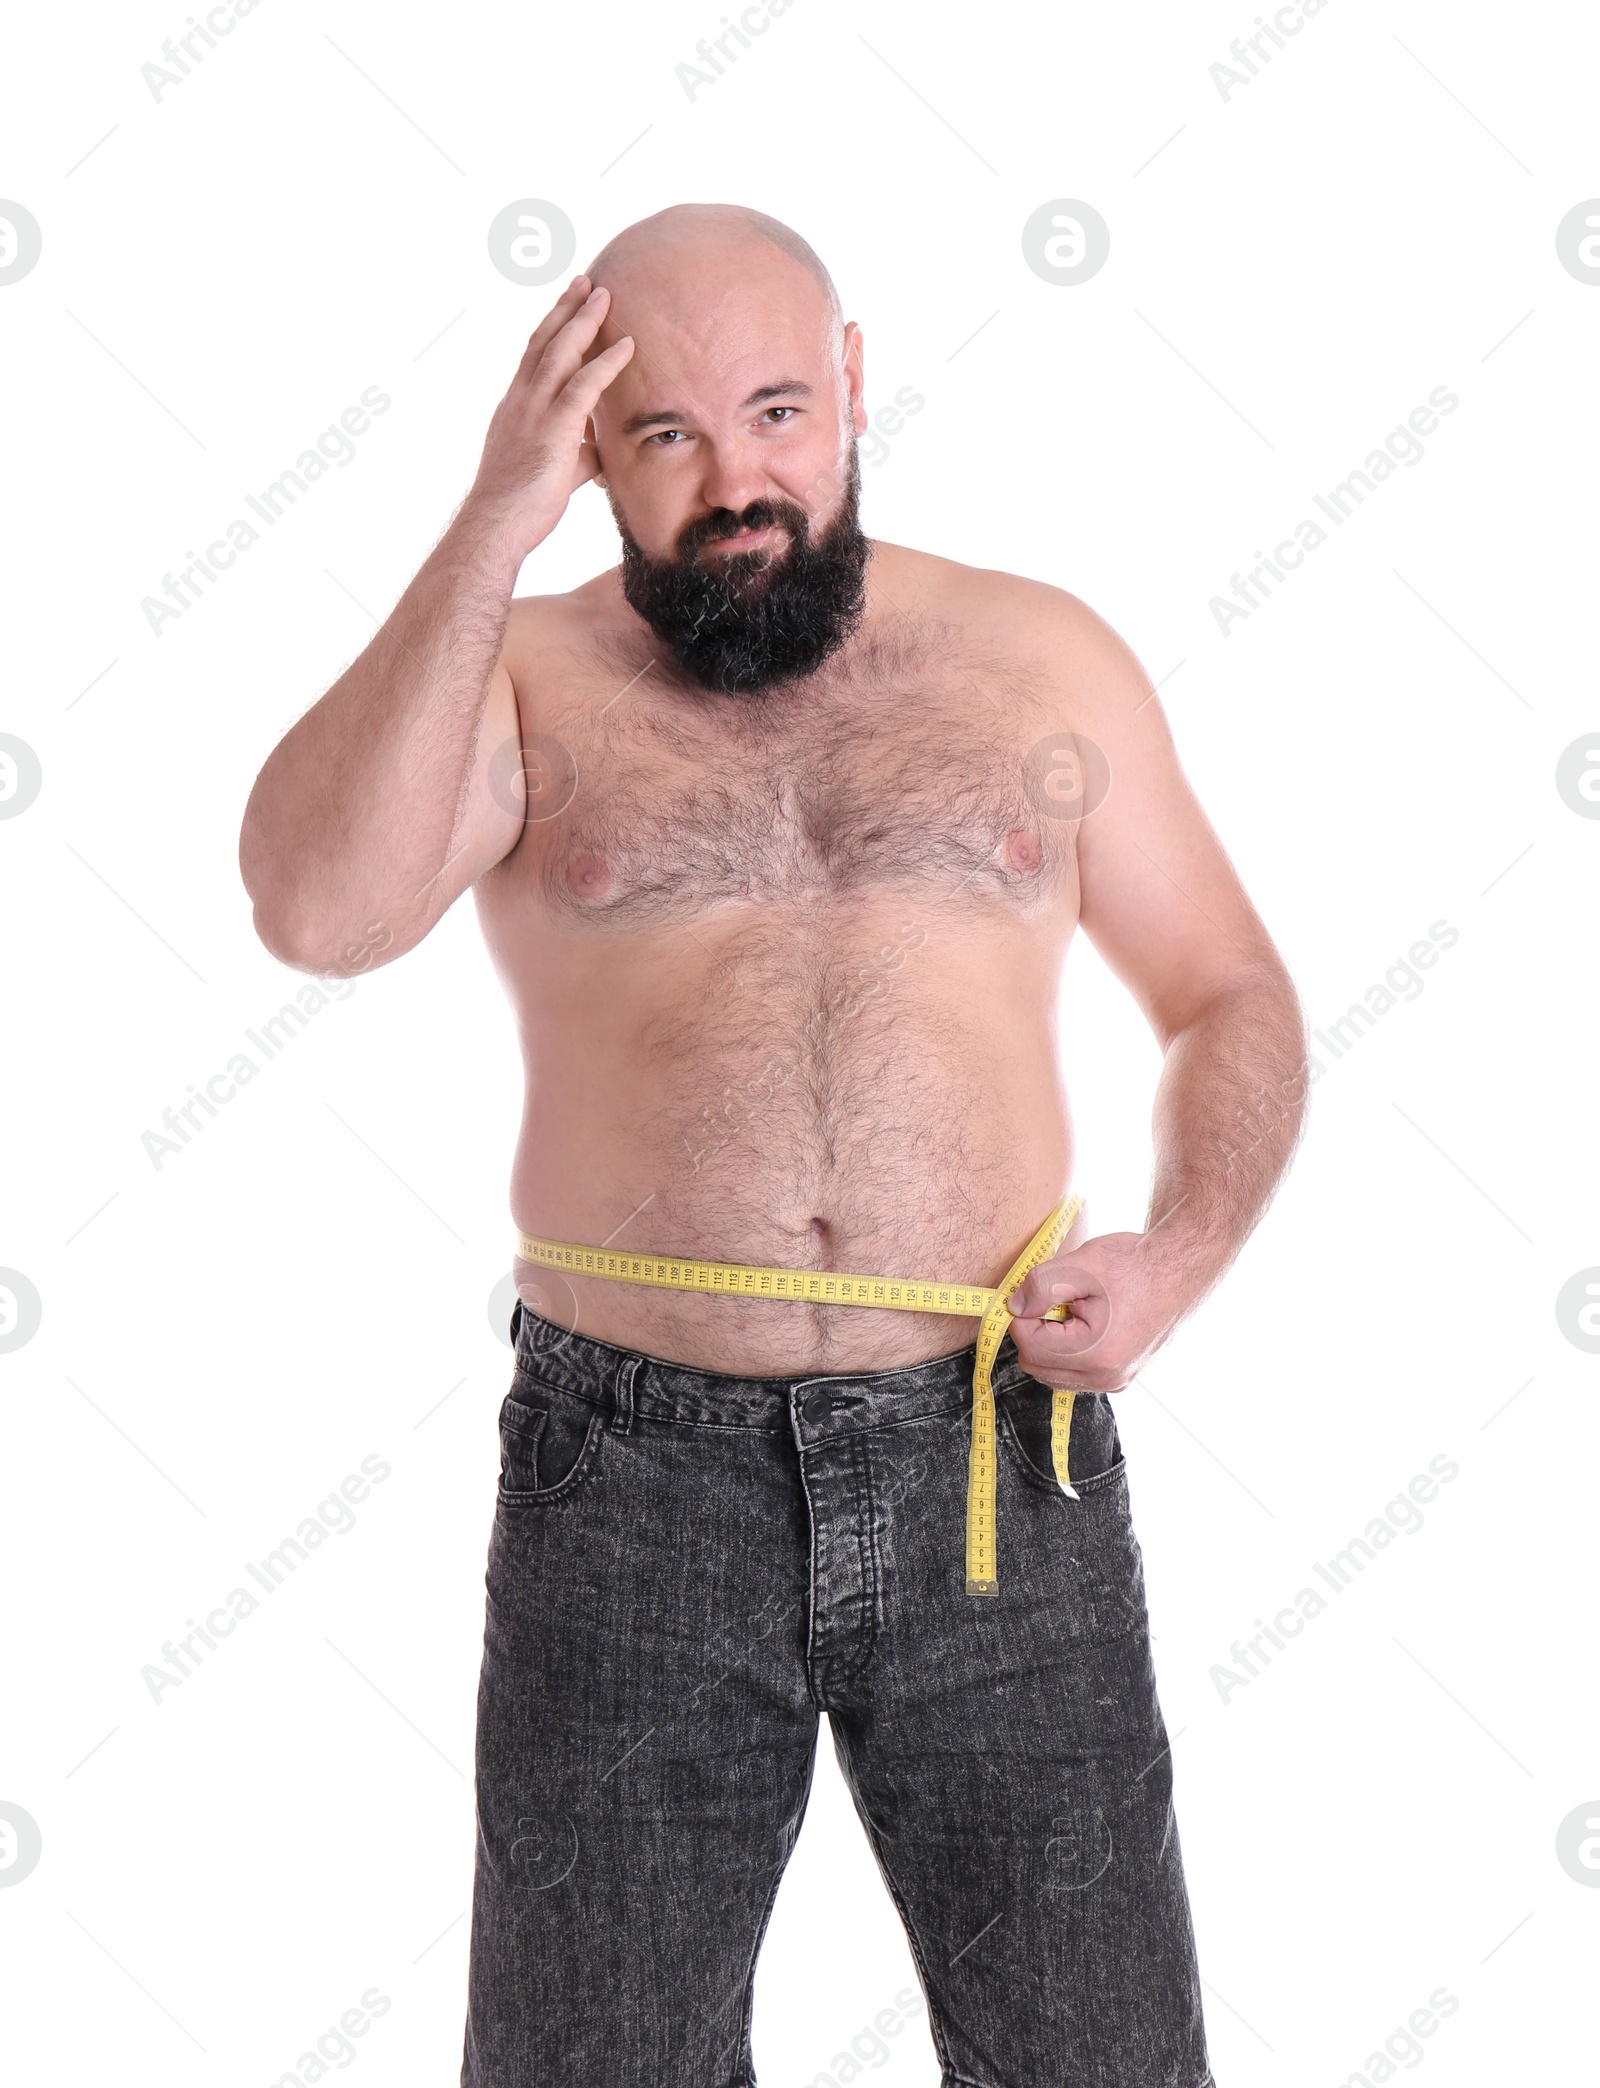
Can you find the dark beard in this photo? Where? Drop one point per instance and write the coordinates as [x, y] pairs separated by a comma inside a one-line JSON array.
[[754, 619]]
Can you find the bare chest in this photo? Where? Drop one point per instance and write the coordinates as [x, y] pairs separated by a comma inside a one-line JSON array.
[[906, 796]]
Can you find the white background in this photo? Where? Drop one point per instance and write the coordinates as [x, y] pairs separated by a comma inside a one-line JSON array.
[[306, 1283]]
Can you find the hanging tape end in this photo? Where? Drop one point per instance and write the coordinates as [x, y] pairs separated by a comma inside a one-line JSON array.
[[983, 1587], [1068, 1489]]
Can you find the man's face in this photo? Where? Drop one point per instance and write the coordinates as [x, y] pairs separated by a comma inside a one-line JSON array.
[[729, 454]]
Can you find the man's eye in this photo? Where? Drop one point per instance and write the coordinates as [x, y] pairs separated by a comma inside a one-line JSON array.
[[662, 435], [783, 409]]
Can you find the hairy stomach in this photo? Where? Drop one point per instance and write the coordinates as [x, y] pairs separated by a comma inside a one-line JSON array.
[[883, 1099]]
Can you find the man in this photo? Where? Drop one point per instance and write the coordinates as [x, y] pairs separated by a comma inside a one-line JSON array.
[[779, 837]]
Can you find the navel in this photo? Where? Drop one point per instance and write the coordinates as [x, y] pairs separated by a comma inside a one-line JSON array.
[[588, 876], [1020, 850]]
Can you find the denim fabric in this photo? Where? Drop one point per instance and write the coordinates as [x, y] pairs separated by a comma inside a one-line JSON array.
[[685, 1569]]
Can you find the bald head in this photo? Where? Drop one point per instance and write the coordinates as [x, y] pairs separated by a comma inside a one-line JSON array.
[[714, 233]]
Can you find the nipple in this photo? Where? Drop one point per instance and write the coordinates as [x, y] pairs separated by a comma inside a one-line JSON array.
[[589, 876], [1020, 850]]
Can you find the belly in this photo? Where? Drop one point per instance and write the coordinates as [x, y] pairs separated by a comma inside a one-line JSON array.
[[876, 1092]]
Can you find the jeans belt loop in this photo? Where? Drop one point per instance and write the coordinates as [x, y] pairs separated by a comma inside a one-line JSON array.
[[622, 1418]]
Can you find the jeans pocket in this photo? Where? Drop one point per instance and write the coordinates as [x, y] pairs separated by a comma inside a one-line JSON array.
[[549, 1441], [1094, 1451]]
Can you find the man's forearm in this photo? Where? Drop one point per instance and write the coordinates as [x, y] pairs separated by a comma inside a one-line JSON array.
[[1229, 1111], [352, 816]]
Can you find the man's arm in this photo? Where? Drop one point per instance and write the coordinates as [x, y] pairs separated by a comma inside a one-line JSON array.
[[1164, 906], [375, 813]]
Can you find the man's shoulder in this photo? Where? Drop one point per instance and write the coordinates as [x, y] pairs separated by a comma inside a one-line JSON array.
[[562, 613], [983, 593], [548, 636], [1027, 620]]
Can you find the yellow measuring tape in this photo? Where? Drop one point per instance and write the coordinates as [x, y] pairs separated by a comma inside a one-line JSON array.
[[891, 1294]]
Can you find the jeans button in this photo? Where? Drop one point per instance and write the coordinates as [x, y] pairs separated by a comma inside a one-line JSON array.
[[819, 1406]]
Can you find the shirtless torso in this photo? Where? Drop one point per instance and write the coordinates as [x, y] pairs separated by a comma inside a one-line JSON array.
[[786, 965], [786, 971]]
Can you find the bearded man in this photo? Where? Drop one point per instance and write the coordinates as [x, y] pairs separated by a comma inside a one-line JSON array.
[[779, 836]]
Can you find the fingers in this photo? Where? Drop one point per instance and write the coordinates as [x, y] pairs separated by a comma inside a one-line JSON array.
[[566, 349], [1069, 1357], [583, 388], [570, 302], [1076, 1337], [1053, 1283], [1066, 1352]]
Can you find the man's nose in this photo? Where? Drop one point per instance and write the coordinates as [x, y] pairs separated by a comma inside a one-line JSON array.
[[734, 477]]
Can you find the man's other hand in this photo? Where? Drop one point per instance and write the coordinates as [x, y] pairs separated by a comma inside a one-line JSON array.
[[1122, 1306]]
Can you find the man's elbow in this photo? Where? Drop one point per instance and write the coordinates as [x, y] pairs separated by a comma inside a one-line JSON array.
[[289, 939], [311, 927], [1267, 981], [279, 925], [1269, 1001], [1258, 990], [307, 942], [1284, 997], [283, 927]]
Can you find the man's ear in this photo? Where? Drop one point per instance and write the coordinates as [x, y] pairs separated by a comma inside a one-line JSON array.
[[853, 364], [591, 442]]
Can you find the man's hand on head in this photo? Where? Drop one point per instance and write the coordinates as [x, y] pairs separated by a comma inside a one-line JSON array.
[[538, 452], [1122, 1303]]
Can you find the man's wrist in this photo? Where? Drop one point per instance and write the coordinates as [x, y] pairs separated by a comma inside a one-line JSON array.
[[483, 533], [1189, 1241]]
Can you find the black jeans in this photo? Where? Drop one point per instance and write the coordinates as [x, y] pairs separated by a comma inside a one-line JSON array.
[[685, 1569]]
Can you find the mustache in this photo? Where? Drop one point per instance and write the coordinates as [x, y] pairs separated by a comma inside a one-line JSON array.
[[724, 522]]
